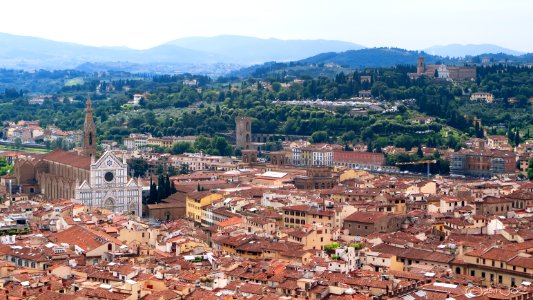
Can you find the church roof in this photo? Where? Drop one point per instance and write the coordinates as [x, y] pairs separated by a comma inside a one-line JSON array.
[[69, 158]]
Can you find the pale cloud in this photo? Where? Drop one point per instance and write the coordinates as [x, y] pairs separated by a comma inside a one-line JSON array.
[[412, 24]]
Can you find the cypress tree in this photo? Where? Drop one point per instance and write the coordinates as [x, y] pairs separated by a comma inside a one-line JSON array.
[[510, 134], [172, 189], [419, 152], [167, 186], [153, 187], [160, 188], [153, 192]]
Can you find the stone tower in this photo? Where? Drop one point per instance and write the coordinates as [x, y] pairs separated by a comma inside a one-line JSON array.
[[249, 156], [243, 131], [89, 131], [420, 65]]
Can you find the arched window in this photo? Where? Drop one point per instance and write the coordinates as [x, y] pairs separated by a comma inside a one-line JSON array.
[[109, 247], [90, 138], [109, 204]]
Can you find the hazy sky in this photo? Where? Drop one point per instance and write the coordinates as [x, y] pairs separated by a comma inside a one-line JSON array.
[[411, 24]]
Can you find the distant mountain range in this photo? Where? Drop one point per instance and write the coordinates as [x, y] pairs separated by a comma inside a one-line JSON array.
[[334, 62], [30, 52], [250, 50], [213, 55]]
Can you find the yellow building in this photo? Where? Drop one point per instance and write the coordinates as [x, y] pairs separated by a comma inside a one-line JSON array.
[[180, 245], [143, 236], [196, 201], [311, 236], [300, 215], [497, 265], [317, 155], [379, 262], [165, 142], [352, 174], [168, 141]]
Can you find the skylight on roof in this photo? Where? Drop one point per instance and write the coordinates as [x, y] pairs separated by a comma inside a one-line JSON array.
[[445, 285], [274, 174]]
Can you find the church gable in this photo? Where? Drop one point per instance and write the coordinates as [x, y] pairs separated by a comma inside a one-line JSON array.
[[108, 160], [132, 183], [109, 172], [24, 171], [109, 195], [41, 166], [84, 186]]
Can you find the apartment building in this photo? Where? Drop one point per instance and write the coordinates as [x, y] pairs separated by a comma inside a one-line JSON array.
[[498, 266]]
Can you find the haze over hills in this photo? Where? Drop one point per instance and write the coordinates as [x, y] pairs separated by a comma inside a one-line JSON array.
[[458, 50], [251, 50], [213, 55], [30, 52]]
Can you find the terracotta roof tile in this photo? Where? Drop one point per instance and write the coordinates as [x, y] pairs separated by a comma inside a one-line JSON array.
[[69, 158], [87, 239]]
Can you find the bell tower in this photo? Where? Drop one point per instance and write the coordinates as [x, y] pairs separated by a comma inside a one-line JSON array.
[[243, 133], [89, 131], [420, 66]]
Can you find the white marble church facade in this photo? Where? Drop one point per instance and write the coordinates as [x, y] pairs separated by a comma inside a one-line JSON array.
[[108, 187]]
